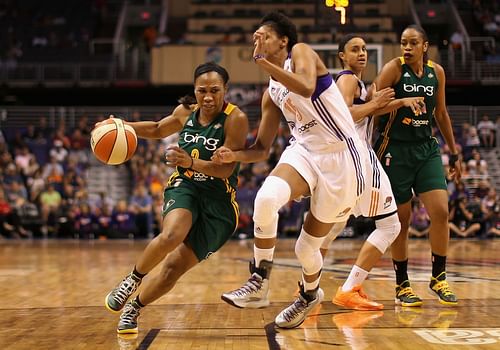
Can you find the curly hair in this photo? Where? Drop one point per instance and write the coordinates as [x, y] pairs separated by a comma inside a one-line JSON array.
[[283, 26]]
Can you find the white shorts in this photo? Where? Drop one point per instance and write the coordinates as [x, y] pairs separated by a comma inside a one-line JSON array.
[[334, 174], [377, 199]]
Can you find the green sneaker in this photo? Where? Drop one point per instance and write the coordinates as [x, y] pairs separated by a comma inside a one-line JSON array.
[[117, 298], [128, 319], [405, 295], [439, 286]]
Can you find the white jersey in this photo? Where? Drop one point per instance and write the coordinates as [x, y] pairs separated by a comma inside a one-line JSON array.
[[378, 198], [326, 150], [323, 119], [364, 127]]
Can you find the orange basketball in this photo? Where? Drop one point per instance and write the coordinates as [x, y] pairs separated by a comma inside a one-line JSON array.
[[113, 142]]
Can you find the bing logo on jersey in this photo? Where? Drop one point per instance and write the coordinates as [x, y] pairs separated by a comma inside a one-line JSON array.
[[428, 90], [209, 143]]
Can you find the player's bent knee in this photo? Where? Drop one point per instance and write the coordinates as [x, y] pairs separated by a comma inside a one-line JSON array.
[[387, 230], [274, 193], [307, 252]]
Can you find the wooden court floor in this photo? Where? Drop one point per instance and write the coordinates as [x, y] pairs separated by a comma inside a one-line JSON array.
[[53, 293]]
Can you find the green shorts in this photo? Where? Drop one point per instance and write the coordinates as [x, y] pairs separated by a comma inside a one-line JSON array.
[[215, 218], [412, 166]]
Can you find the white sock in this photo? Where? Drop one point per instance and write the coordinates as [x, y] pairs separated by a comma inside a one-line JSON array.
[[262, 254], [310, 285], [356, 277]]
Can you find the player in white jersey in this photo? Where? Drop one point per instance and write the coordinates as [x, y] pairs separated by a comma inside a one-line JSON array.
[[326, 160], [377, 201]]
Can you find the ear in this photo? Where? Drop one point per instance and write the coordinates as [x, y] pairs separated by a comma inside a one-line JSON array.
[[426, 46], [284, 42], [341, 55]]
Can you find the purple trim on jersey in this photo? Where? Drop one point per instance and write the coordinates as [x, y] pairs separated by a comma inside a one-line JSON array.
[[325, 116], [376, 171], [343, 72], [328, 119], [322, 83], [357, 100], [357, 165]]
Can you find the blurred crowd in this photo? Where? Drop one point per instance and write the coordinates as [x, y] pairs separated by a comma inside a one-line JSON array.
[[44, 190]]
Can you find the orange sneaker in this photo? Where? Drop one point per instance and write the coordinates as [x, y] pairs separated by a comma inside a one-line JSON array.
[[355, 299]]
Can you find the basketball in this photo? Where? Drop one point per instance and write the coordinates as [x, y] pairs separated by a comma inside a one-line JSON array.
[[113, 142]]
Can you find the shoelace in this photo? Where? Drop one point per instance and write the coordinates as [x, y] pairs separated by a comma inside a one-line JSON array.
[[443, 287], [123, 291], [252, 285], [296, 308], [130, 314], [407, 292], [360, 292]]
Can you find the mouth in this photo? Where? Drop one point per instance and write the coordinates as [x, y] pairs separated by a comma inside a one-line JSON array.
[[362, 61], [407, 55]]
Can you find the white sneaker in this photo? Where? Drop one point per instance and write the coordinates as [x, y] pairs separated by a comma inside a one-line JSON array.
[[296, 313], [254, 293]]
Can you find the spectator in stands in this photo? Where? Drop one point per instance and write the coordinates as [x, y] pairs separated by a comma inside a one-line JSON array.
[[494, 223], [123, 221], [60, 134], [50, 202], [471, 141], [6, 213], [489, 203], [58, 152], [22, 158], [104, 219], [461, 220], [141, 205], [85, 222], [477, 165], [53, 171], [460, 191], [486, 129], [11, 174], [36, 184], [420, 220]]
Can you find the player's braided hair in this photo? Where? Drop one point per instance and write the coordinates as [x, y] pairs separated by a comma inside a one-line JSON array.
[[283, 26]]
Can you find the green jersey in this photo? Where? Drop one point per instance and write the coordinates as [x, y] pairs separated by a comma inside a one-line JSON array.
[[201, 142], [403, 125]]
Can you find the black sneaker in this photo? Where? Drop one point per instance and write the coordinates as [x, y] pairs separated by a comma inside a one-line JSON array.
[[439, 286], [405, 295]]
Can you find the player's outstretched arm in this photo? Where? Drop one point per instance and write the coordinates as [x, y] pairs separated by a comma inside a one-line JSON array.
[[163, 128]]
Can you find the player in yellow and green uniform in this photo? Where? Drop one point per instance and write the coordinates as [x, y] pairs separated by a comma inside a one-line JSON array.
[[411, 158], [200, 211]]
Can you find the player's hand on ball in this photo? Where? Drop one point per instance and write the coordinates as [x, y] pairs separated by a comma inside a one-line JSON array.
[[176, 156], [223, 155]]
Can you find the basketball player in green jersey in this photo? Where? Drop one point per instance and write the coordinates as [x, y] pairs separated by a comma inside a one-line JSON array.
[[200, 210], [411, 158]]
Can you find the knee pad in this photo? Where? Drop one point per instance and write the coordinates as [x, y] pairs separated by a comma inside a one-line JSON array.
[[334, 232], [274, 193], [387, 229], [307, 252]]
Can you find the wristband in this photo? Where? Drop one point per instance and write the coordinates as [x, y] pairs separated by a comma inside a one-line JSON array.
[[258, 57], [453, 159]]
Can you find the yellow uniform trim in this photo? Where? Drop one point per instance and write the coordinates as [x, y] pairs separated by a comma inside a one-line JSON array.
[[430, 63], [402, 60], [384, 144], [236, 209], [229, 108]]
